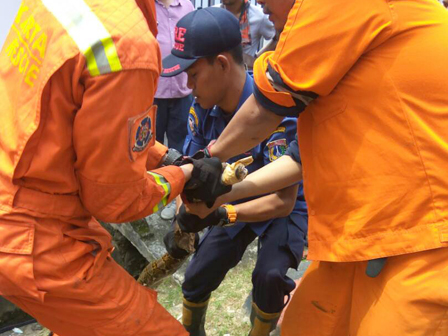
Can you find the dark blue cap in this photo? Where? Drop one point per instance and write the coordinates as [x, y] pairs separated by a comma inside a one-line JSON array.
[[201, 33]]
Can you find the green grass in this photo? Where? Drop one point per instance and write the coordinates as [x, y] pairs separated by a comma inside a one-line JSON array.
[[225, 315]]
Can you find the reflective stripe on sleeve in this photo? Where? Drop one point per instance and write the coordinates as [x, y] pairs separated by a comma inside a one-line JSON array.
[[161, 181], [90, 35]]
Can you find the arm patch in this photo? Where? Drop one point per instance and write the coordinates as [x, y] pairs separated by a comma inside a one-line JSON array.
[[280, 129], [277, 148], [141, 132], [193, 122]]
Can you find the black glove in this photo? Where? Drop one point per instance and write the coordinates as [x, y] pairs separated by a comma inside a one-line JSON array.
[[205, 183], [175, 158], [172, 157], [174, 250], [201, 154], [192, 223]]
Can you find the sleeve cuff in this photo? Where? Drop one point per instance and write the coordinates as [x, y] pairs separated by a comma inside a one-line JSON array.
[[293, 151], [175, 178], [155, 156], [280, 110]]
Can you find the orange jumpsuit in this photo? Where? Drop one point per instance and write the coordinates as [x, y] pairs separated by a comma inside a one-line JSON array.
[[371, 79], [77, 80]]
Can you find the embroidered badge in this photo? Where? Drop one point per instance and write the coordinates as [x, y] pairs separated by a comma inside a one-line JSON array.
[[143, 135], [193, 121], [277, 148], [141, 132], [280, 129]]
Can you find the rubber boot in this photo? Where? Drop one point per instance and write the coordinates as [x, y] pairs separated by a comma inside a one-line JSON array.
[[262, 323], [193, 317]]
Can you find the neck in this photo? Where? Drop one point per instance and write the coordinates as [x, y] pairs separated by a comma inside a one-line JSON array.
[[235, 8], [232, 97], [166, 3]]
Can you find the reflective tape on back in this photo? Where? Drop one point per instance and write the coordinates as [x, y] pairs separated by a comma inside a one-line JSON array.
[[92, 38]]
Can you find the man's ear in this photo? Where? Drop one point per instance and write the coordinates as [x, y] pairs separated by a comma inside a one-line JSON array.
[[224, 62]]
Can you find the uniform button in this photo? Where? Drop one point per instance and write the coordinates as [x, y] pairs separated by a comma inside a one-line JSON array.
[[312, 212]]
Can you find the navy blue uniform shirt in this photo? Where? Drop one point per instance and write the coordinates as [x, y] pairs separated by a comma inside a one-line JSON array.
[[206, 125]]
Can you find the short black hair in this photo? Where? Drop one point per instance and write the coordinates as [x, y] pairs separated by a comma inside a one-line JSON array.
[[236, 53]]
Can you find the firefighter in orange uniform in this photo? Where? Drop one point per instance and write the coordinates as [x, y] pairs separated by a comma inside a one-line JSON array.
[[368, 82], [77, 81]]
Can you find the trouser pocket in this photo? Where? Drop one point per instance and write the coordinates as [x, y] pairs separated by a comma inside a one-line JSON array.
[[16, 258]]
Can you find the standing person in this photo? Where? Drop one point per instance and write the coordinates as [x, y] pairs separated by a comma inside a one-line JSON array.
[[279, 219], [373, 115], [77, 81], [254, 26], [173, 98]]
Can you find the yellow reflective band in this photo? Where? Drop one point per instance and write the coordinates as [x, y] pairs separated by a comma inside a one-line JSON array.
[[90, 35], [111, 53], [91, 62], [158, 206], [161, 181]]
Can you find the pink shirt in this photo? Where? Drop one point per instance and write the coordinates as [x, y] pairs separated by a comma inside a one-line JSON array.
[[172, 87]]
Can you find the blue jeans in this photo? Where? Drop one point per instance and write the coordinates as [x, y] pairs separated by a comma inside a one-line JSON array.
[[172, 119]]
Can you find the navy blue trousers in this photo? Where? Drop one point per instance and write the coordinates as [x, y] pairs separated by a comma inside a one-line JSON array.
[[281, 248], [172, 119]]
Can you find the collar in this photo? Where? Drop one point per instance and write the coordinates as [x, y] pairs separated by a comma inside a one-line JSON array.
[[247, 91]]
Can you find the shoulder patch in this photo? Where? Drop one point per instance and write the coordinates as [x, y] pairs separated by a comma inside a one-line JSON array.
[[143, 135], [277, 148], [141, 132], [193, 121], [280, 129]]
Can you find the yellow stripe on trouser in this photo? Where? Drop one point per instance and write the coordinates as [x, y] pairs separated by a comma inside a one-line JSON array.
[[90, 35], [160, 180]]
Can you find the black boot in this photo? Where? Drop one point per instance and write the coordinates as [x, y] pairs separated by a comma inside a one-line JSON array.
[[193, 317], [262, 323]]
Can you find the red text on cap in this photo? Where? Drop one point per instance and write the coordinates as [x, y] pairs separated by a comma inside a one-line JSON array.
[[179, 33]]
